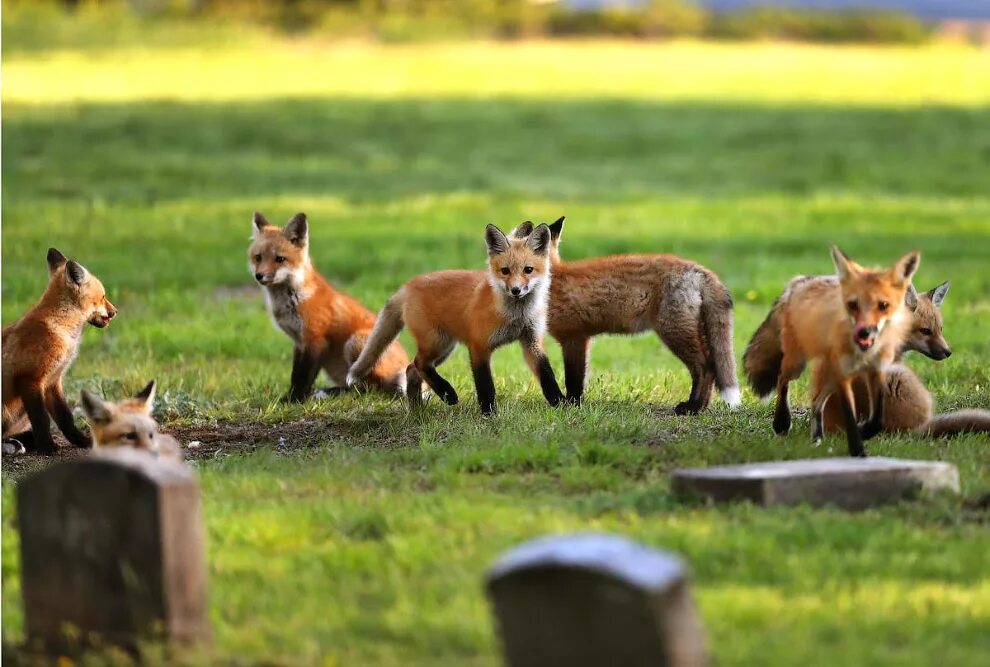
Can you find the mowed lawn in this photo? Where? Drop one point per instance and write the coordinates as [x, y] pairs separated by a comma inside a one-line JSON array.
[[363, 536]]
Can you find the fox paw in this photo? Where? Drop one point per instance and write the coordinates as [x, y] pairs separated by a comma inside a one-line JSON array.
[[782, 424], [13, 447], [686, 408]]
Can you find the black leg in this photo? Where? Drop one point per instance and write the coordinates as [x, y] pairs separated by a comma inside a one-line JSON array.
[[438, 384], [414, 386], [62, 414], [41, 425], [817, 420], [548, 381], [305, 369], [690, 406], [852, 428], [875, 425], [484, 385], [575, 368], [782, 414]]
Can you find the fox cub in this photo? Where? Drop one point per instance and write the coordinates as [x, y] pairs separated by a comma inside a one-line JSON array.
[[40, 347], [482, 309], [853, 333], [328, 328], [684, 303], [129, 424]]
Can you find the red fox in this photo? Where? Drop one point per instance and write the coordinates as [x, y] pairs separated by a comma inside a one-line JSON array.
[[328, 328], [40, 347], [483, 310], [853, 332], [683, 302], [129, 424]]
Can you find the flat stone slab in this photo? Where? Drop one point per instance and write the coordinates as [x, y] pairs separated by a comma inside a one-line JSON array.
[[847, 483]]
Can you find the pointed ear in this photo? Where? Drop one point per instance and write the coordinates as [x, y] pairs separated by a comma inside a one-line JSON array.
[[260, 222], [55, 259], [523, 230], [75, 274], [911, 298], [96, 409], [937, 294], [905, 267], [495, 240], [557, 228], [844, 267], [297, 230], [147, 396], [539, 240]]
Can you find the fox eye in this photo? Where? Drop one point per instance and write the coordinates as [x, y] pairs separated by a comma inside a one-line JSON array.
[[883, 306], [257, 258], [505, 270], [279, 259], [925, 331], [131, 436], [852, 306], [528, 269], [151, 435]]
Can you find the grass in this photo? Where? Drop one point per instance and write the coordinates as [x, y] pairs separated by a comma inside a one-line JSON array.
[[369, 547]]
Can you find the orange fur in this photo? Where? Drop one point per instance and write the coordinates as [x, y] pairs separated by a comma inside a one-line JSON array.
[[128, 423]]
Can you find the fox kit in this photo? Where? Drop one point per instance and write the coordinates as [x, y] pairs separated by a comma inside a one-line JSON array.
[[38, 350], [482, 309], [852, 332], [683, 302], [129, 424], [327, 327]]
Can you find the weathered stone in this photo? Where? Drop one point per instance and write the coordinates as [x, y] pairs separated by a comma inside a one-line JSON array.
[[848, 483], [589, 600], [112, 550]]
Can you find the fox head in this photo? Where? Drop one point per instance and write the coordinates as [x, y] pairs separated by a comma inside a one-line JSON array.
[[125, 424], [73, 284], [556, 229], [872, 298], [518, 266], [279, 254], [926, 323]]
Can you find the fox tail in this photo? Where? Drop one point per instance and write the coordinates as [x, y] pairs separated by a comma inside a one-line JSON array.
[[388, 325]]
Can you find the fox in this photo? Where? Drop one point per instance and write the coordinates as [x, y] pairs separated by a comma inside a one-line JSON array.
[[483, 310], [328, 328], [38, 350], [853, 332], [683, 302], [129, 423]]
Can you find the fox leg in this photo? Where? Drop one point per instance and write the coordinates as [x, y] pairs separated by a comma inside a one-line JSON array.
[[680, 335], [62, 414], [484, 384], [414, 386], [847, 401], [790, 369], [576, 356], [427, 370], [536, 359], [823, 387], [875, 382], [41, 426], [305, 369]]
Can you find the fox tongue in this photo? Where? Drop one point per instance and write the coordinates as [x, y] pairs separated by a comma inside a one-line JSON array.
[[864, 345]]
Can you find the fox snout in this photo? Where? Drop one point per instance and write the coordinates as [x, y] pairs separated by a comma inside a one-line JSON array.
[[937, 352], [101, 318], [264, 278], [864, 336]]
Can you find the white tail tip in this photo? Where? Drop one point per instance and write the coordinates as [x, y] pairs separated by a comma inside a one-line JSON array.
[[732, 397]]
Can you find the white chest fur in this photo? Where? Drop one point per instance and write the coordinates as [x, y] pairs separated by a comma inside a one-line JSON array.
[[525, 317], [283, 306]]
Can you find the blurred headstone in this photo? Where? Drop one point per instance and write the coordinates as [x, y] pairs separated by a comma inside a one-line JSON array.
[[847, 483], [590, 600], [112, 552]]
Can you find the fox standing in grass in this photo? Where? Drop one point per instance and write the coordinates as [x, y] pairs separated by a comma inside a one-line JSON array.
[[482, 309], [40, 347], [852, 333], [129, 423], [328, 328], [684, 303]]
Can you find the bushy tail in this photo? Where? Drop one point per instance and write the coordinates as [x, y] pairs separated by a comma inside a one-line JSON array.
[[763, 355], [716, 315], [956, 423], [387, 328]]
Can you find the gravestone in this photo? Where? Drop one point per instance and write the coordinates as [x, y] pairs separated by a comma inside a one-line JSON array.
[[847, 483], [589, 600], [112, 552]]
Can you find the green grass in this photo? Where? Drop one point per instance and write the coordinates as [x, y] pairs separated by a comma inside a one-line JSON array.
[[370, 548]]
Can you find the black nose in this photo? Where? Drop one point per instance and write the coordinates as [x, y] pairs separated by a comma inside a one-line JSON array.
[[516, 290], [948, 353], [258, 276], [863, 334]]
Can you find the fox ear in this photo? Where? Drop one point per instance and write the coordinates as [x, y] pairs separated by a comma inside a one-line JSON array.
[[844, 266], [539, 240], [147, 395], [260, 222], [297, 230], [495, 240], [557, 228], [937, 294], [911, 298], [523, 230], [55, 259], [905, 267], [96, 409], [75, 274]]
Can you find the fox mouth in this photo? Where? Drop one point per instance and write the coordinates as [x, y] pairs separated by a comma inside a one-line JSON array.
[[100, 322]]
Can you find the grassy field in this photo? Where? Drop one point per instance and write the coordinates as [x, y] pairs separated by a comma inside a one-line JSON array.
[[355, 533]]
